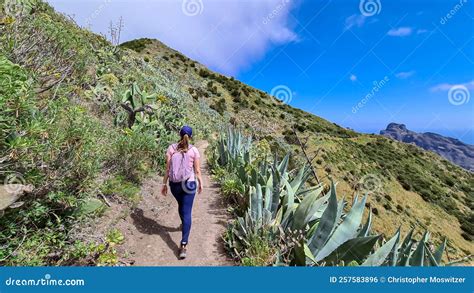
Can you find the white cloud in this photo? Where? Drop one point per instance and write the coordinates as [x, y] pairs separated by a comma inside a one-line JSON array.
[[353, 77], [421, 31], [405, 74], [400, 32], [447, 86], [227, 37], [355, 20]]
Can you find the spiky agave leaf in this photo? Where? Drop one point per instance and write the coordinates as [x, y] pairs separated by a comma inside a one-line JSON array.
[[326, 224], [381, 254], [438, 254], [418, 256], [403, 253], [355, 249], [344, 231], [366, 229], [306, 209]]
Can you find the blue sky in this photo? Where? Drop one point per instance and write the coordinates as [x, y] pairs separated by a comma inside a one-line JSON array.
[[361, 64]]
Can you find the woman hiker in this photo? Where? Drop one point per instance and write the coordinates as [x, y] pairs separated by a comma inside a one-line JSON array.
[[182, 170]]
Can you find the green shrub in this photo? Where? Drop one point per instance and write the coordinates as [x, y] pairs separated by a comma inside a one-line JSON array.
[[220, 106], [137, 45], [260, 251], [119, 186], [233, 191], [131, 155]]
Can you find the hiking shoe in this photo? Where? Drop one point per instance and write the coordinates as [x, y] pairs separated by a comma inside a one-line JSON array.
[[182, 252]]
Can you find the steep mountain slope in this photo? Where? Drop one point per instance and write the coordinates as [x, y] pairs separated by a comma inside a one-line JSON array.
[[409, 186], [80, 121], [449, 148], [83, 120]]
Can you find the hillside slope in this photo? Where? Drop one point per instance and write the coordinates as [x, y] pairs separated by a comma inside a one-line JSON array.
[[449, 148], [82, 124], [84, 121], [409, 186]]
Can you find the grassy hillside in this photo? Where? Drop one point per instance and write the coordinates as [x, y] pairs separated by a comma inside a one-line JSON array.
[[408, 186], [82, 119]]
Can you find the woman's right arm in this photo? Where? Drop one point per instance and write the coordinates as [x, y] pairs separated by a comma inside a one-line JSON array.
[[164, 189]]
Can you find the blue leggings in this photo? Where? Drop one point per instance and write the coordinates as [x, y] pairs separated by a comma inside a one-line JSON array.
[[184, 193]]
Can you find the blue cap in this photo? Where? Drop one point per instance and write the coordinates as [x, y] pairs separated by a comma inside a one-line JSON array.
[[186, 130]]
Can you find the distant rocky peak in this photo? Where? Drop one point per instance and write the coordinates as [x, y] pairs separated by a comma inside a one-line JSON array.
[[396, 126], [451, 149]]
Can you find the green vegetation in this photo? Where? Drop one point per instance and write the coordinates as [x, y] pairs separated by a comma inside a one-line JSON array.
[[83, 120], [280, 205], [137, 45], [75, 111], [119, 186], [436, 182]]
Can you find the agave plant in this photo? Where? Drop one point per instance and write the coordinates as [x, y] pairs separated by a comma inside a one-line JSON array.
[[234, 150], [273, 202], [416, 253], [337, 238], [280, 202]]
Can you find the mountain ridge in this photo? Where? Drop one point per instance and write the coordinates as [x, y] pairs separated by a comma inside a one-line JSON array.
[[452, 149]]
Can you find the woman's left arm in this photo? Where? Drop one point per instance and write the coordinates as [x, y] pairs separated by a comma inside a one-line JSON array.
[[197, 170]]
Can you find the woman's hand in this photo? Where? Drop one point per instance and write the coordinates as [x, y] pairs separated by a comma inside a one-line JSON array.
[[199, 188], [197, 169], [164, 190]]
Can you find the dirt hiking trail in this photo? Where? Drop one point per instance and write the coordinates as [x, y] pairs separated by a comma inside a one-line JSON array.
[[152, 230]]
